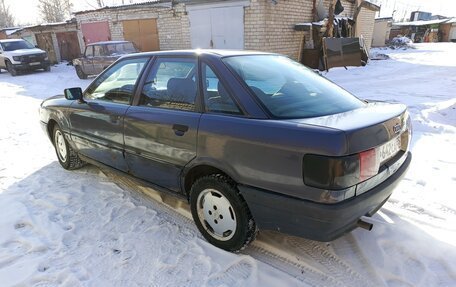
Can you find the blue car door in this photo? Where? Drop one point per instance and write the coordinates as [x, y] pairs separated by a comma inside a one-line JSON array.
[[97, 124], [161, 131]]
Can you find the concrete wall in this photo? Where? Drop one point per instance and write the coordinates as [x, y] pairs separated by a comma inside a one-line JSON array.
[[381, 33]]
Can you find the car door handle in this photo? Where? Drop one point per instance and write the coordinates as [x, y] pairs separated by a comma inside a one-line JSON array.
[[180, 130], [114, 119]]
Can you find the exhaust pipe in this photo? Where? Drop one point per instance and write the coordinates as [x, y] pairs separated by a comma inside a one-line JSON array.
[[366, 225]]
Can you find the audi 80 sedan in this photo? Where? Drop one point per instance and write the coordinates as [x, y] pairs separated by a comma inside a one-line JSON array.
[[252, 140]]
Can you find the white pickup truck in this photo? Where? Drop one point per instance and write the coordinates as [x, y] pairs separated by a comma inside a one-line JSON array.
[[18, 55]]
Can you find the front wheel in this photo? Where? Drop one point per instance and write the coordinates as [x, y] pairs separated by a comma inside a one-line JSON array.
[[80, 73], [220, 213], [67, 157], [11, 69]]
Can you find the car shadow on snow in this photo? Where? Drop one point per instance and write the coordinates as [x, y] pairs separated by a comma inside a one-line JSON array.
[[83, 216]]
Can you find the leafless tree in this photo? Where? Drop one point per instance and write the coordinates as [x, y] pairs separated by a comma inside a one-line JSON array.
[[54, 10], [6, 18]]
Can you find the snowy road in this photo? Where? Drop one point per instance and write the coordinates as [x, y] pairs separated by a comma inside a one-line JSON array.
[[89, 228]]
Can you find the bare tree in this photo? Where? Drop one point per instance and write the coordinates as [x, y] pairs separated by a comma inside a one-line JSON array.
[[54, 10], [6, 18]]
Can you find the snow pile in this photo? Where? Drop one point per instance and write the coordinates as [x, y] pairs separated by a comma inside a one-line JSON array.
[[401, 42], [376, 54], [86, 228]]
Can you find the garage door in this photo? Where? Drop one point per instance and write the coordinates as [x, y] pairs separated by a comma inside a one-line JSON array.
[[68, 45], [217, 27], [143, 33], [95, 32], [44, 42]]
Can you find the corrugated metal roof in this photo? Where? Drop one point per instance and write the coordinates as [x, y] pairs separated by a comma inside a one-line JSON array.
[[121, 6], [421, 22], [44, 25]]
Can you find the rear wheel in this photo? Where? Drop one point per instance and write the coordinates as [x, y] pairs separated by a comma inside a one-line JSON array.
[[220, 213], [67, 157], [11, 69], [80, 73]]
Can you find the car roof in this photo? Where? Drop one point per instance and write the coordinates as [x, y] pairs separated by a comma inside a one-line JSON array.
[[108, 43], [11, 40], [215, 52]]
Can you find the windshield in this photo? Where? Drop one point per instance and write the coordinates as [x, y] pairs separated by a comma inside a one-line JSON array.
[[16, 45], [290, 90], [119, 49]]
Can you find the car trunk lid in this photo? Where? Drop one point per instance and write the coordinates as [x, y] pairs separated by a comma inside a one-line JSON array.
[[368, 127]]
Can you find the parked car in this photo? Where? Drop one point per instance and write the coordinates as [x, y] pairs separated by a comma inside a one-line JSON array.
[[251, 140], [98, 56], [18, 55]]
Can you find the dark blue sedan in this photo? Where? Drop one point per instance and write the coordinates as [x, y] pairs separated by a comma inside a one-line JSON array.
[[252, 140]]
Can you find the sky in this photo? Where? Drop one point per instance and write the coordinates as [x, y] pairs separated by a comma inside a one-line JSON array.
[[26, 11], [404, 7]]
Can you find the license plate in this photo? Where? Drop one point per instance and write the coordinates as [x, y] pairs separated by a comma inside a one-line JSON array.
[[388, 150], [35, 63]]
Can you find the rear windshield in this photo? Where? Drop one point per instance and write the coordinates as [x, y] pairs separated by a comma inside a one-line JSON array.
[[290, 90], [16, 45], [120, 49]]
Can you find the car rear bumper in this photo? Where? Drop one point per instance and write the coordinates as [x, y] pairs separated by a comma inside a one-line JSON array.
[[317, 221], [29, 66]]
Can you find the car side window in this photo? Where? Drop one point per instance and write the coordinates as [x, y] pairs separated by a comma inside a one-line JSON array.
[[216, 96], [89, 51], [117, 84], [171, 84], [99, 51]]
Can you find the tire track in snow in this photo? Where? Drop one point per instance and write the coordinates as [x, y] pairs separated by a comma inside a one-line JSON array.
[[292, 259]]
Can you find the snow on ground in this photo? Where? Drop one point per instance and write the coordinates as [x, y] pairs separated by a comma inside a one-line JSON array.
[[80, 228]]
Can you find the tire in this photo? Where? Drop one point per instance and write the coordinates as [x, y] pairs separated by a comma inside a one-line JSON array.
[[11, 69], [67, 157], [221, 214], [47, 69], [80, 73]]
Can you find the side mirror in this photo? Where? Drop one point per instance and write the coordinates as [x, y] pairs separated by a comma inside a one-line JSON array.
[[74, 94]]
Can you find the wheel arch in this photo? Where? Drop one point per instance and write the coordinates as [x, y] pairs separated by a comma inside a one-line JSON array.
[[50, 129], [203, 168]]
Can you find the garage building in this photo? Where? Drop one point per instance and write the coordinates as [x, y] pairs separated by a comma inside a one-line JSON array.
[[266, 25]]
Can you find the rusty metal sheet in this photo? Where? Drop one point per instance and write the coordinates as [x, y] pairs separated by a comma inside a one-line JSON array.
[[95, 32], [342, 52], [68, 45], [44, 42]]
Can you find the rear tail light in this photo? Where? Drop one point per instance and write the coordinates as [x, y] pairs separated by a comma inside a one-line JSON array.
[[368, 164], [336, 173]]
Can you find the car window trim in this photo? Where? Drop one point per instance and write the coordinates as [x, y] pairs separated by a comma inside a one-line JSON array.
[[227, 87], [85, 52], [136, 83], [150, 66]]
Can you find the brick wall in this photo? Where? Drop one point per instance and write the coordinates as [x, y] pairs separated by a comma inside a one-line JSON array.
[[172, 23], [269, 27], [365, 26]]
